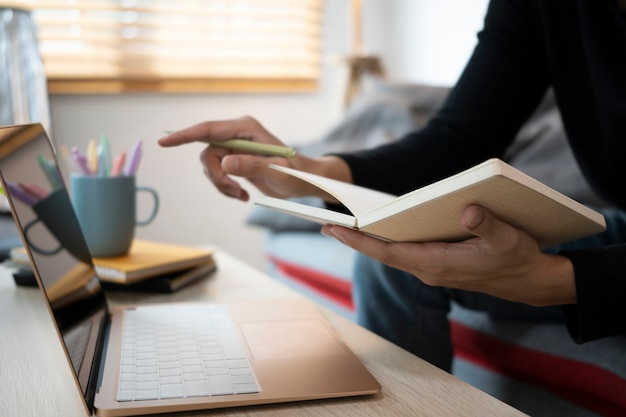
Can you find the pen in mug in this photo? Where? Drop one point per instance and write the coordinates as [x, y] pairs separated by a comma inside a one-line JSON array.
[[118, 165], [81, 160], [92, 155], [103, 152], [133, 159], [253, 147]]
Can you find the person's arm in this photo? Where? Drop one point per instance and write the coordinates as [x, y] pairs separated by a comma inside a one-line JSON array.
[[600, 309], [221, 163], [503, 82]]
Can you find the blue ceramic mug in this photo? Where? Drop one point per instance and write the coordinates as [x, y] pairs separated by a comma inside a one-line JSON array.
[[106, 211]]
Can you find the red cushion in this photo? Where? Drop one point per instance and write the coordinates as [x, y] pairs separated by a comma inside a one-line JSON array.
[[581, 383], [337, 290]]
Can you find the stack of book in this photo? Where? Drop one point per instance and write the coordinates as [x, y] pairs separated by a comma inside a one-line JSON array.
[[149, 266]]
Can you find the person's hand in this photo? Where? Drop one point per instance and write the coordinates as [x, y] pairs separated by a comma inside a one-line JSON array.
[[501, 261], [220, 164]]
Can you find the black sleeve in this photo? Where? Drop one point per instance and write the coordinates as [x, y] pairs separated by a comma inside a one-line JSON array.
[[502, 84], [600, 309]]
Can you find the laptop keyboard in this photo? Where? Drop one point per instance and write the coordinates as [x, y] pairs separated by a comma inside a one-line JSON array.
[[182, 351]]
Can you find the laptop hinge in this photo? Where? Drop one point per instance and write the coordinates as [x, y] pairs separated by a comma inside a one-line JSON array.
[[97, 370]]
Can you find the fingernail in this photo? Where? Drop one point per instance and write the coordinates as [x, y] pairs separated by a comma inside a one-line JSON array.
[[230, 164], [476, 219], [337, 233]]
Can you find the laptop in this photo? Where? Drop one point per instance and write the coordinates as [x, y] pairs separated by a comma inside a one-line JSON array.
[[232, 354]]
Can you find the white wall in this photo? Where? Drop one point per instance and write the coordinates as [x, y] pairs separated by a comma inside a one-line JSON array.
[[423, 40], [410, 36]]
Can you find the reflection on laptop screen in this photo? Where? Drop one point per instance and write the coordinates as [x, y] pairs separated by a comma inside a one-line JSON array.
[[41, 204]]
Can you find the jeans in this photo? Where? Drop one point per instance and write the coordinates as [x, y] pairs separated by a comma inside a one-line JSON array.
[[413, 315]]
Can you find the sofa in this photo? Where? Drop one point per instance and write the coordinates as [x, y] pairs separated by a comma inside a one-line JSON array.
[[535, 367]]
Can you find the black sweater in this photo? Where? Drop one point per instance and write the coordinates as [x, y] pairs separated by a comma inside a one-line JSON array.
[[578, 47]]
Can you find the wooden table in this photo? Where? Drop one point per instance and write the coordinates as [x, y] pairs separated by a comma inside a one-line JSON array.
[[35, 380]]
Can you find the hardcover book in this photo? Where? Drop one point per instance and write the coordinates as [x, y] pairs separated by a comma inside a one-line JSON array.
[[433, 212]]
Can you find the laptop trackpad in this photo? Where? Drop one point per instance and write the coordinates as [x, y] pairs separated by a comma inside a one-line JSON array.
[[290, 339]]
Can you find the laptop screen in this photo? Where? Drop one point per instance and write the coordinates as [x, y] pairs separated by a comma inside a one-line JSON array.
[[42, 209]]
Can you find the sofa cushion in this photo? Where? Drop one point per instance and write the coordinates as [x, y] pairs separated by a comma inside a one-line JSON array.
[[591, 375], [314, 265]]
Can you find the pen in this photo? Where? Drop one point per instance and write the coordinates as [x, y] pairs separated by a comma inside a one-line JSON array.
[[92, 155], [133, 159], [81, 161], [69, 159], [254, 147], [104, 156], [118, 165]]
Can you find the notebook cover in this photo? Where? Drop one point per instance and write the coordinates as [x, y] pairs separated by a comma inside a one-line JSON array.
[[148, 259]]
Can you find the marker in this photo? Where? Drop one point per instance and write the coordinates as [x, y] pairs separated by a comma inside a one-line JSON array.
[[104, 157], [92, 155], [118, 165], [69, 159], [133, 159], [254, 147], [81, 160]]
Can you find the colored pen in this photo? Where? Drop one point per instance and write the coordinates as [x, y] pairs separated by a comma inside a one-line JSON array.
[[118, 165], [69, 160], [104, 157], [133, 159], [254, 147], [92, 155], [81, 161]]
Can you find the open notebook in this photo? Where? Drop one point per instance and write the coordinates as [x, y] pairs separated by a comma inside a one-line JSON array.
[[186, 356]]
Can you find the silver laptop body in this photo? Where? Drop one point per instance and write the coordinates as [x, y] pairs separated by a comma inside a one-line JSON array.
[[293, 353]]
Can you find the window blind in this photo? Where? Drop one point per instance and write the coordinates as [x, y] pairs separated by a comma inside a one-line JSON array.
[[182, 45]]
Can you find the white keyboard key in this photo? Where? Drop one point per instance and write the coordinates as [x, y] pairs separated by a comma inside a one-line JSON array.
[[246, 388], [182, 352], [148, 394], [125, 395], [196, 388], [172, 391], [221, 385]]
